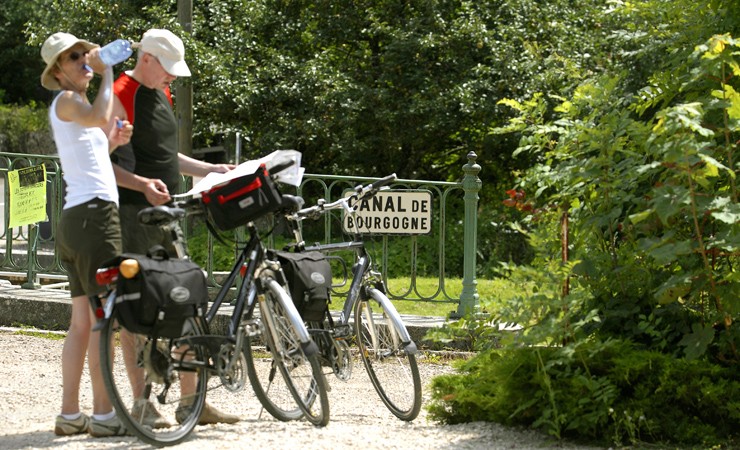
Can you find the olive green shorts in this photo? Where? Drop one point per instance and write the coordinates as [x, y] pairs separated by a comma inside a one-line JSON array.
[[89, 235], [138, 238]]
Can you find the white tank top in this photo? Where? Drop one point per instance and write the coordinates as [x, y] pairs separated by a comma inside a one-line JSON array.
[[86, 165]]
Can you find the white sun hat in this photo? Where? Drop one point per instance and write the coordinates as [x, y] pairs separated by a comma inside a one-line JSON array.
[[54, 46]]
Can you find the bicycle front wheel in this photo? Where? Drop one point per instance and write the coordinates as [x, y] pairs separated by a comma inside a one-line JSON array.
[[267, 381], [296, 360], [157, 386], [391, 366]]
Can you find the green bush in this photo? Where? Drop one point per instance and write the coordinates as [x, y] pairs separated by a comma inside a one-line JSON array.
[[16, 121], [607, 392]]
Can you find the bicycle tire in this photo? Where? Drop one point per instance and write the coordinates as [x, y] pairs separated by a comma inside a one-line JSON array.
[[298, 362], [159, 365], [267, 381], [392, 369]]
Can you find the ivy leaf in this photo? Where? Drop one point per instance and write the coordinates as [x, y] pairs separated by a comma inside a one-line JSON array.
[[729, 213], [667, 253], [729, 93], [676, 287], [670, 202], [697, 341], [639, 217], [714, 166]]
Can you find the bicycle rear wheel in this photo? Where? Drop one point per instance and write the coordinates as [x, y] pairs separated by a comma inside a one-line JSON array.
[[392, 368], [157, 387], [298, 362]]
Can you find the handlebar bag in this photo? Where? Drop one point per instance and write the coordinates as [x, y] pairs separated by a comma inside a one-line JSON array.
[[161, 296], [241, 200], [309, 281]]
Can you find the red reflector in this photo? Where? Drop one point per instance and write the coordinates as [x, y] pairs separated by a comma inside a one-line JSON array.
[[106, 276], [99, 313], [243, 270]]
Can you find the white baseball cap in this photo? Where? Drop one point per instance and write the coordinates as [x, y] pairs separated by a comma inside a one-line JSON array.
[[168, 49]]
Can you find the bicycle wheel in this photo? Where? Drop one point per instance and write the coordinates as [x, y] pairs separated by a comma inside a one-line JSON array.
[[391, 367], [298, 362], [267, 381], [157, 387]]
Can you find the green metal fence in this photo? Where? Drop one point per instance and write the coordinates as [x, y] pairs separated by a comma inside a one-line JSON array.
[[28, 251]]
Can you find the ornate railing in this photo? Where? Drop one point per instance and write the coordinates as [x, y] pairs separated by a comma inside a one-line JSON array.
[[28, 251]]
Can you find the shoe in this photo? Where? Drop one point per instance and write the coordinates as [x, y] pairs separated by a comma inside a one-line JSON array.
[[105, 428], [209, 415], [66, 427], [145, 413]]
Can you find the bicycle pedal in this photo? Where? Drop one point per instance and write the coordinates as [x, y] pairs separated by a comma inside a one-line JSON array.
[[342, 331], [252, 327]]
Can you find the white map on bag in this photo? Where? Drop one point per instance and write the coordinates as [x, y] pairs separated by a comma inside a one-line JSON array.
[[292, 175]]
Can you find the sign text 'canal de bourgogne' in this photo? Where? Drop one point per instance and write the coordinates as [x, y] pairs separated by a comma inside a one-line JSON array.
[[392, 212]]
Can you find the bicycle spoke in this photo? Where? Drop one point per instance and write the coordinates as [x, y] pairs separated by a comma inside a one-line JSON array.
[[156, 386], [392, 370]]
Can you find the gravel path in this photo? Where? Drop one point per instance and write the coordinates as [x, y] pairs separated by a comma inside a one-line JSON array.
[[31, 390]]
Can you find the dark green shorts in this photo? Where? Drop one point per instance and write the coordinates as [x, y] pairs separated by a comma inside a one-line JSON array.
[[89, 234], [138, 238]]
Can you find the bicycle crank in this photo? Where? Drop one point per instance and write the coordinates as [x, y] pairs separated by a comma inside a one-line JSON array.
[[341, 359], [231, 366]]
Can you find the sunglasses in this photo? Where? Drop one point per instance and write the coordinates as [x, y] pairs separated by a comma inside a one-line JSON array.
[[74, 56]]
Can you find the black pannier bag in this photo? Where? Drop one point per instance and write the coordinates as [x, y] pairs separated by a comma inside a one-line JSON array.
[[163, 294], [241, 200], [309, 281]]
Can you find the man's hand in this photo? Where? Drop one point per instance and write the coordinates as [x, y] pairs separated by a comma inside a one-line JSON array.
[[222, 168], [156, 192]]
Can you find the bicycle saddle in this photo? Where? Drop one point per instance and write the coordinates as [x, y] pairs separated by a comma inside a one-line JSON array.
[[291, 203], [160, 215]]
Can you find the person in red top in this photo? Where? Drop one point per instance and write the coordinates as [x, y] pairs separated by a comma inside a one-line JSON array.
[[148, 168]]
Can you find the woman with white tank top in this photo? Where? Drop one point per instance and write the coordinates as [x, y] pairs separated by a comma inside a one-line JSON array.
[[89, 231]]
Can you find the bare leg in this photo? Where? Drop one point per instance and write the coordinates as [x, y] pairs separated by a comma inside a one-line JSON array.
[[130, 349], [73, 354], [101, 401], [79, 343]]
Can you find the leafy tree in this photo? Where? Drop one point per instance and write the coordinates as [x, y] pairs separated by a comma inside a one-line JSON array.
[[19, 81], [640, 164]]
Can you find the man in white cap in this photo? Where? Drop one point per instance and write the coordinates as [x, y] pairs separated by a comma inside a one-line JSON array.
[[148, 169]]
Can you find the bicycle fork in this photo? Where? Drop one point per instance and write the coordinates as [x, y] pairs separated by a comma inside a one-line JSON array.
[[396, 329]]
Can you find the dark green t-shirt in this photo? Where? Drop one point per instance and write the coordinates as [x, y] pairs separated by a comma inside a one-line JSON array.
[[152, 152]]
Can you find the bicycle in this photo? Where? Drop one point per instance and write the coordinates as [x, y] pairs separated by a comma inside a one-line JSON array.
[[387, 351], [201, 361]]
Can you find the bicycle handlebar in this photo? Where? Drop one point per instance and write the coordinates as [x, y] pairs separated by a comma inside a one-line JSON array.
[[360, 192], [276, 169]]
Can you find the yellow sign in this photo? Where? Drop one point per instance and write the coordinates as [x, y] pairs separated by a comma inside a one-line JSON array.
[[27, 196]]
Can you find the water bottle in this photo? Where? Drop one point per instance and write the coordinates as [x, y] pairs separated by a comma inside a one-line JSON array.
[[115, 52]]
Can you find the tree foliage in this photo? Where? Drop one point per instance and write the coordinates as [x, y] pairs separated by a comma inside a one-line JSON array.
[[416, 83], [633, 204], [365, 87]]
